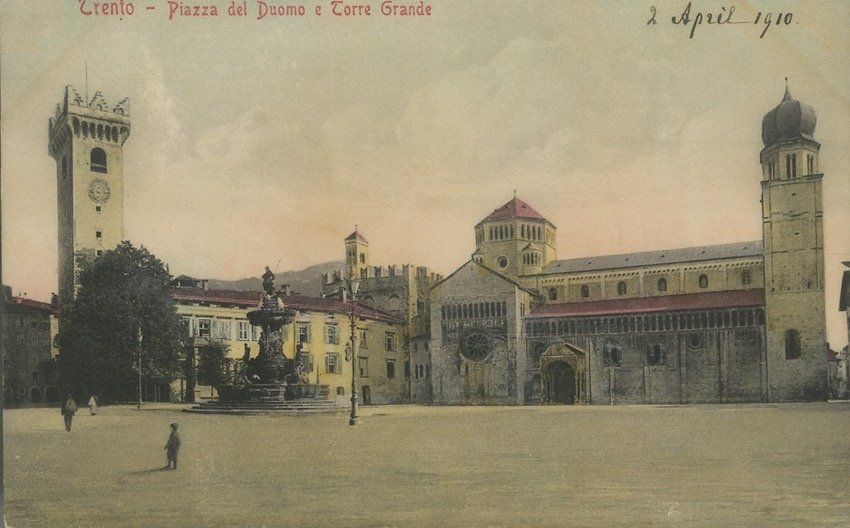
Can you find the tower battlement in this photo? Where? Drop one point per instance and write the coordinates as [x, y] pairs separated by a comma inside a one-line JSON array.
[[95, 119]]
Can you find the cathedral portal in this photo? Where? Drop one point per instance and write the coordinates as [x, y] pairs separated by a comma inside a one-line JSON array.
[[564, 374]]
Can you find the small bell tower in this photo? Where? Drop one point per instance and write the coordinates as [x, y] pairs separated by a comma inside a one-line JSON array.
[[356, 254]]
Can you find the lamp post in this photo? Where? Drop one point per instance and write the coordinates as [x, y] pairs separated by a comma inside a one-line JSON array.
[[353, 284], [139, 404]]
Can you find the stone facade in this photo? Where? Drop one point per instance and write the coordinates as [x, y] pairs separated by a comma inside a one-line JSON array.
[[477, 353], [30, 374], [86, 138]]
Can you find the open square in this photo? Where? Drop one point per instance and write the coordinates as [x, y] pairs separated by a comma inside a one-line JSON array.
[[715, 465]]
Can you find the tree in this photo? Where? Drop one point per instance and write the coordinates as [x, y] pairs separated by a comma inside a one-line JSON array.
[[212, 362], [122, 307]]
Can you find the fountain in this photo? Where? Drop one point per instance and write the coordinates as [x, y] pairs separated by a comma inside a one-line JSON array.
[[270, 381]]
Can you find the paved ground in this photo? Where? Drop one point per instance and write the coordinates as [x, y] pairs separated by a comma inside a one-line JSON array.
[[755, 465]]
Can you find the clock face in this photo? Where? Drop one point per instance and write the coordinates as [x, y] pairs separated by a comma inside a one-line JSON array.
[[99, 191]]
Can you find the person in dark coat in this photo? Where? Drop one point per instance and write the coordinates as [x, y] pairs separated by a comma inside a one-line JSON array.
[[172, 447], [69, 408]]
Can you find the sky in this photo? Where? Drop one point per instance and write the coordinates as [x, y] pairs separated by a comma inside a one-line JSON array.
[[264, 142]]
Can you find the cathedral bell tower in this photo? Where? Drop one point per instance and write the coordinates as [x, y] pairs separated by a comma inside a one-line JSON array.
[[86, 138], [792, 222]]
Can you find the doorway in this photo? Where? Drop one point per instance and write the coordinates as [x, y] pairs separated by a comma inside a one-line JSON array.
[[562, 383]]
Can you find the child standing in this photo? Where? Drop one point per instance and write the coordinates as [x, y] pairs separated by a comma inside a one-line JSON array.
[[172, 447]]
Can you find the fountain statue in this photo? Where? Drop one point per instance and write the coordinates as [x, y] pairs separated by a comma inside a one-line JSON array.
[[271, 376]]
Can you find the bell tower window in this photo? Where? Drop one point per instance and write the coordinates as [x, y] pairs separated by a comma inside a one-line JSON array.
[[791, 166], [621, 288], [98, 160], [703, 281]]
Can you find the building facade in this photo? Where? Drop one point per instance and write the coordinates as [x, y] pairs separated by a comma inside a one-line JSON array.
[[737, 322], [30, 374], [320, 335], [401, 291]]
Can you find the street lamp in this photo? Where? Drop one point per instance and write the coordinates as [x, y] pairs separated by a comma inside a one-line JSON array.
[[353, 284]]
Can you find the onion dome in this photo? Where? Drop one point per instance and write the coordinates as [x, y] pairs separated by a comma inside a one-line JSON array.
[[789, 121]]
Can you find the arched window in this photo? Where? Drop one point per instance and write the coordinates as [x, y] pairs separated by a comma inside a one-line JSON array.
[[98, 160], [793, 347], [612, 355], [621, 288], [585, 291], [662, 284], [746, 277], [703, 280], [553, 294]]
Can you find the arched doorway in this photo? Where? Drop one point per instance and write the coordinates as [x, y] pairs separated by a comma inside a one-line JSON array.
[[563, 368], [562, 383]]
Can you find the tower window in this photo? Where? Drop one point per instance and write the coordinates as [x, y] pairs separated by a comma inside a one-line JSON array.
[[810, 164], [662, 284], [621, 288], [703, 281], [98, 234], [793, 348], [585, 291], [553, 294], [97, 208], [746, 277], [503, 262], [791, 166], [363, 258], [98, 160]]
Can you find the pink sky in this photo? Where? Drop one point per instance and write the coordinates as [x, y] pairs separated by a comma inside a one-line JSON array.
[[258, 141]]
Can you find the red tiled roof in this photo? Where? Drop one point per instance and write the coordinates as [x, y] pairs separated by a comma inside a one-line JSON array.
[[31, 303], [249, 299], [356, 236], [516, 208], [667, 303]]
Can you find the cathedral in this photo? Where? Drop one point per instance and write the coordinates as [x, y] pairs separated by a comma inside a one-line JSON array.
[[738, 322]]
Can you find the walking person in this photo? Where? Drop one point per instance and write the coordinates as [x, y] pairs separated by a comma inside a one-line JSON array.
[[172, 447], [69, 408], [93, 405]]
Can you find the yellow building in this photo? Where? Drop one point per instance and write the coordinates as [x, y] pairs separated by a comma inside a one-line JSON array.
[[320, 334]]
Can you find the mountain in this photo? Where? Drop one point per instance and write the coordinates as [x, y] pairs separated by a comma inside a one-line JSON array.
[[305, 282]]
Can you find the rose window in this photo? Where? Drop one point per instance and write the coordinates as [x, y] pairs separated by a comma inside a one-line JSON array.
[[475, 346]]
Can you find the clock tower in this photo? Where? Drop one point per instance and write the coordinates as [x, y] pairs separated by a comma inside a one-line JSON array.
[[86, 138]]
